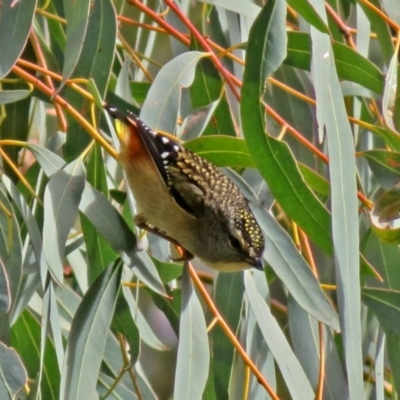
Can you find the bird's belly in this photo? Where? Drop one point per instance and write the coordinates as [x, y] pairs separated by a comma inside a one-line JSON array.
[[154, 203]]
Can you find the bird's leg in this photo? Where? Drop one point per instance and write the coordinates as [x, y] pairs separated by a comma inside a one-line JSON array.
[[186, 255], [142, 224]]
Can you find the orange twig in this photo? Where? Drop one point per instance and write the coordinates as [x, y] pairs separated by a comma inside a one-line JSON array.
[[231, 336]]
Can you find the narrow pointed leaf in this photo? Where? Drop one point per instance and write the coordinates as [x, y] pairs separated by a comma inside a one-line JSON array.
[[12, 373], [295, 378], [15, 23], [77, 16], [168, 84], [88, 335], [115, 230], [272, 157], [49, 161], [5, 295], [61, 200], [193, 350], [333, 121], [10, 247], [385, 304], [25, 338]]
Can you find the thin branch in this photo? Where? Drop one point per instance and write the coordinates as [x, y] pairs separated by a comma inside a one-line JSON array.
[[231, 336], [74, 113]]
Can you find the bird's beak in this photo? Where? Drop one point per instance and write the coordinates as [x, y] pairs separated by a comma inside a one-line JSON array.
[[257, 263]]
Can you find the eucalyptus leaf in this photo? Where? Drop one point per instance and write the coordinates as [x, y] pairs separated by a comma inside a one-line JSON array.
[[12, 40], [88, 334], [332, 120], [295, 378], [12, 372], [173, 76], [193, 350], [62, 198]]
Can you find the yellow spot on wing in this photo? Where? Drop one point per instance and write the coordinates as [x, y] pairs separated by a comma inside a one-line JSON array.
[[122, 130]]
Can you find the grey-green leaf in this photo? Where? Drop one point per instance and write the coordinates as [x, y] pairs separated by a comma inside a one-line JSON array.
[[61, 200], [295, 378], [88, 336], [168, 84], [193, 351], [15, 24], [5, 295], [12, 373], [115, 230], [77, 16], [49, 161], [333, 120]]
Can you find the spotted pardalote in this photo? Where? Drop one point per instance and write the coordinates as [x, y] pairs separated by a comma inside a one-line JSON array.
[[187, 199]]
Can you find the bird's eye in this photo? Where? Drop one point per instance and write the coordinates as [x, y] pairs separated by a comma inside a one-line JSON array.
[[235, 243]]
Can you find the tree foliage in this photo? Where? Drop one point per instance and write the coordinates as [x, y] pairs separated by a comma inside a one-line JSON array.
[[299, 99]]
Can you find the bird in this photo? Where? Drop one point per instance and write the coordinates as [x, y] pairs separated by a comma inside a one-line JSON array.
[[186, 199]]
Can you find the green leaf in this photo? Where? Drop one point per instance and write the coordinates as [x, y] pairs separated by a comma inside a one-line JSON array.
[[88, 335], [77, 16], [393, 352], [385, 165], [193, 349], [350, 64], [228, 297], [272, 157], [15, 24], [99, 252], [168, 271], [384, 216], [383, 256], [385, 304], [124, 323], [298, 50], [97, 50], [171, 307], [99, 45], [15, 127], [232, 152], [222, 151], [25, 339], [307, 11], [391, 138], [205, 90], [316, 182]]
